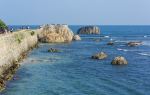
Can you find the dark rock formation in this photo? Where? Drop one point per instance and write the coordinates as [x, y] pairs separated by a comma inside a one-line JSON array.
[[89, 30], [119, 61], [100, 56], [110, 43], [132, 44], [52, 50]]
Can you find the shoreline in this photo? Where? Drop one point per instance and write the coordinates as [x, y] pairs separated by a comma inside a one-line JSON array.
[[16, 46]]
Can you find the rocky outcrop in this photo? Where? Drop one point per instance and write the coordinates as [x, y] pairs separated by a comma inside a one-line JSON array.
[[89, 30], [132, 44], [100, 56], [76, 38], [119, 61], [55, 34]]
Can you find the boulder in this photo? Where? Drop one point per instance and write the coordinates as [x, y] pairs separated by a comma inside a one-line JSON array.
[[110, 43], [100, 56], [76, 38], [89, 30], [55, 33], [119, 61], [134, 43], [53, 50]]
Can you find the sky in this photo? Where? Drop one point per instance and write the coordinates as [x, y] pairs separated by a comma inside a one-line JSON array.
[[75, 12]]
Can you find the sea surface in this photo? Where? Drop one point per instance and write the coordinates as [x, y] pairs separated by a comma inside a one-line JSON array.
[[73, 72]]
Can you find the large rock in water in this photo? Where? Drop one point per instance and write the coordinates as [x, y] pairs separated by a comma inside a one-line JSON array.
[[89, 30], [55, 34], [100, 56], [119, 61]]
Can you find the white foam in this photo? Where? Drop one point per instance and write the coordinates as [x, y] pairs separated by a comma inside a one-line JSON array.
[[122, 49], [145, 54], [106, 36], [121, 41], [111, 39]]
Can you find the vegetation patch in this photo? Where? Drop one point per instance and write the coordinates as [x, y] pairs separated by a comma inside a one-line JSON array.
[[32, 33], [3, 26], [19, 37]]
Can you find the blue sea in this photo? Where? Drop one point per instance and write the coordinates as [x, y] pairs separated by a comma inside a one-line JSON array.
[[73, 72]]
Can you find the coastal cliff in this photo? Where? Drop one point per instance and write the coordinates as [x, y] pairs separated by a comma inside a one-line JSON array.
[[13, 47], [55, 33]]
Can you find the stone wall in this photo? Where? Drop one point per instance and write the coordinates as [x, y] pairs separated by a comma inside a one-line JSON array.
[[13, 45]]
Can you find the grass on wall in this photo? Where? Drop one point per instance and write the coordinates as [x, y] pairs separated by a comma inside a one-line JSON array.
[[19, 37]]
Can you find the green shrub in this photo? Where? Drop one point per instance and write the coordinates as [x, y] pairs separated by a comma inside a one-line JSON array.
[[32, 33], [3, 26]]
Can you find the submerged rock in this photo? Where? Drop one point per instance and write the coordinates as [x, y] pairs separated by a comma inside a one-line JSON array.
[[76, 38], [100, 56], [110, 43], [97, 39], [55, 34], [134, 43], [89, 30], [119, 61], [53, 50]]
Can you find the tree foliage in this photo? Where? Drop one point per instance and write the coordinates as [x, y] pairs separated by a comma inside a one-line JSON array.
[[3, 26]]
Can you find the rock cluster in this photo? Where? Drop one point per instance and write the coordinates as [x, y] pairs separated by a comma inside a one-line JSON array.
[[53, 50], [134, 43], [100, 56], [89, 30], [76, 38], [119, 61], [55, 33]]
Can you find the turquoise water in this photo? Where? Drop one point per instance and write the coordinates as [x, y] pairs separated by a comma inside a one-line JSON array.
[[73, 72]]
